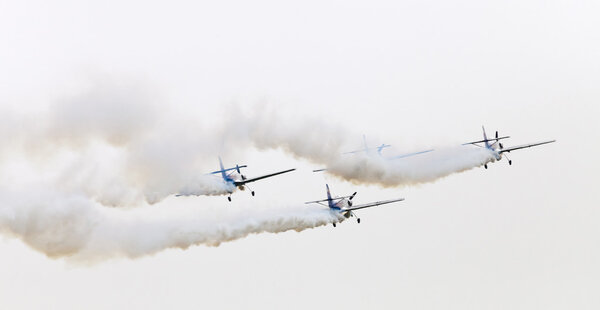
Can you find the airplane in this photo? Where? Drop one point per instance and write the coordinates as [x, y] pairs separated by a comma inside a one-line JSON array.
[[368, 150], [240, 184], [498, 149], [343, 205]]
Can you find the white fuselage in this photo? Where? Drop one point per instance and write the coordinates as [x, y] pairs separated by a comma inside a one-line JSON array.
[[339, 207]]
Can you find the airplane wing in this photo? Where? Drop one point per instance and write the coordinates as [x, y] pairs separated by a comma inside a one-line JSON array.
[[410, 154], [354, 152], [508, 149], [316, 201], [372, 204], [393, 157], [242, 182]]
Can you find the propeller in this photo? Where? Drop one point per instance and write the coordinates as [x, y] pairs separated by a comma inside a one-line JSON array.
[[237, 168], [499, 143], [350, 199], [502, 147]]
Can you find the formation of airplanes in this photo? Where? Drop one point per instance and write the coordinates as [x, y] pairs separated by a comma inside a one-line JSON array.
[[344, 205]]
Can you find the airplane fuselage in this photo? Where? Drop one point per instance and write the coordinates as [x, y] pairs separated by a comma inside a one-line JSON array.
[[231, 187], [497, 155], [338, 207]]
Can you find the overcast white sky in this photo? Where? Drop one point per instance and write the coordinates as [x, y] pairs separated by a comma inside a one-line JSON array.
[[410, 73]]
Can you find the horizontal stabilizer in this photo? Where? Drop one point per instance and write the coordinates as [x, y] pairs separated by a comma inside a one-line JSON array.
[[333, 199], [486, 140], [379, 148], [228, 169]]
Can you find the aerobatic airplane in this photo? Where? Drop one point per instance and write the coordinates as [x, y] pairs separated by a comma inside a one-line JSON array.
[[368, 150], [343, 205], [498, 149], [239, 183]]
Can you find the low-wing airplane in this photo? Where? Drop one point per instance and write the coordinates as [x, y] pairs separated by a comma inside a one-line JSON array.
[[368, 150], [343, 205], [498, 149], [241, 183]]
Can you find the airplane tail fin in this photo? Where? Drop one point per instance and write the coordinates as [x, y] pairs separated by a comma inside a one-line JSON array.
[[487, 144], [222, 168], [329, 201], [487, 140]]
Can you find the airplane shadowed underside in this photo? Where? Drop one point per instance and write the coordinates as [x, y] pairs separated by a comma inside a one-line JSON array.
[[498, 149], [343, 205], [242, 183]]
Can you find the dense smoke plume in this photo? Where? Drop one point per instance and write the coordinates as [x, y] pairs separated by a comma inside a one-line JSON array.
[[109, 155], [75, 227]]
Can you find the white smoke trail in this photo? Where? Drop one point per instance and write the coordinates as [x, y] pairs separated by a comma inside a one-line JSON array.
[[74, 227], [114, 146], [114, 142], [422, 168], [206, 185], [154, 155], [324, 144]]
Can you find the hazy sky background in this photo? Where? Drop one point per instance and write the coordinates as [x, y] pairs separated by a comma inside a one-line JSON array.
[[414, 74]]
